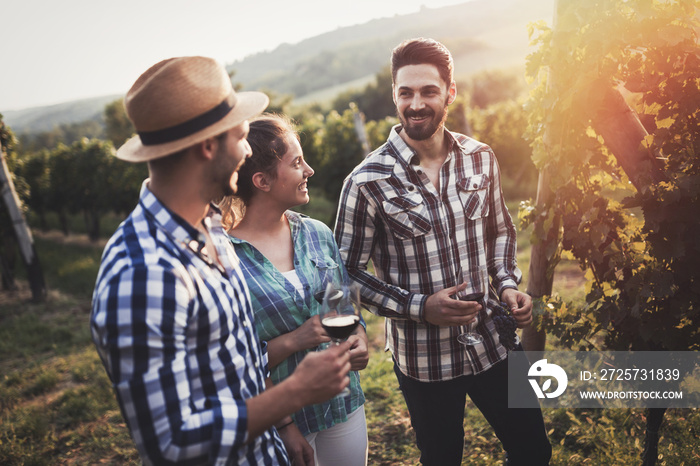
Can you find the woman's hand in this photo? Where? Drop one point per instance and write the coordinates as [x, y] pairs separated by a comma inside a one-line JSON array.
[[299, 451], [359, 352], [310, 334]]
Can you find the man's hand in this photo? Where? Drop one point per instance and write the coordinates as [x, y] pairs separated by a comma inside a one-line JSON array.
[[299, 451], [520, 305], [443, 309], [359, 353], [322, 374]]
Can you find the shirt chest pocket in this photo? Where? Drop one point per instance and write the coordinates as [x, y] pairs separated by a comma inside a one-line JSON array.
[[327, 271], [474, 194], [407, 216]]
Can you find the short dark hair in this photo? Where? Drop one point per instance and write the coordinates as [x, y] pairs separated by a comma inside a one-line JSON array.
[[422, 51], [168, 161]]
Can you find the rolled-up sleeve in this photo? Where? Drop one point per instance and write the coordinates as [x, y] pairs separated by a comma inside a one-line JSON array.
[[355, 234], [501, 236], [140, 326]]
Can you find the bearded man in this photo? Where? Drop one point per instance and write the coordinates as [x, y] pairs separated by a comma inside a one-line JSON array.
[[171, 316], [427, 209]]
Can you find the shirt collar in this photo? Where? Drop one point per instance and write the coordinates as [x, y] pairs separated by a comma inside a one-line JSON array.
[[294, 219], [172, 224], [406, 153]]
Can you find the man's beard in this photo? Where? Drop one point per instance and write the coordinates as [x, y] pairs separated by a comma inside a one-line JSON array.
[[222, 172], [226, 186], [424, 130]]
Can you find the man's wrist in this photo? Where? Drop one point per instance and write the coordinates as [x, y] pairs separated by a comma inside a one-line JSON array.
[[286, 422], [416, 307], [293, 392], [506, 286]]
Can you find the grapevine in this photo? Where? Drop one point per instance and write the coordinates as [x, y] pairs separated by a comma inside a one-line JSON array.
[[636, 242]]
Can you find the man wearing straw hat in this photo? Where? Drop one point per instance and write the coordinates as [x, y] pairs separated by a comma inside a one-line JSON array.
[[171, 316]]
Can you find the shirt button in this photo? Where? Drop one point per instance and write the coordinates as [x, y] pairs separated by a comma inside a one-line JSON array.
[[410, 188], [475, 185]]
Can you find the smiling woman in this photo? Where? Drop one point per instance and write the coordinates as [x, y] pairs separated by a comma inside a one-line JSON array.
[[277, 161], [287, 257]]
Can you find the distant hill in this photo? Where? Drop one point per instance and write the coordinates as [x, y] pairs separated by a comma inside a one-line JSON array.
[[481, 34], [38, 119]]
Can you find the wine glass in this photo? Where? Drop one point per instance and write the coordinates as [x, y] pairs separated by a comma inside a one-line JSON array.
[[323, 278], [340, 314], [472, 293], [470, 337]]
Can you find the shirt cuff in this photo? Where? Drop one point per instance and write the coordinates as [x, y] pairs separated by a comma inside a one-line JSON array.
[[416, 307], [504, 285], [230, 430]]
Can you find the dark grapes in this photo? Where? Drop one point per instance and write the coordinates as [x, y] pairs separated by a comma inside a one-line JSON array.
[[505, 326]]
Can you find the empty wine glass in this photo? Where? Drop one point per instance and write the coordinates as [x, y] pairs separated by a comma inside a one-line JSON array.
[[340, 314]]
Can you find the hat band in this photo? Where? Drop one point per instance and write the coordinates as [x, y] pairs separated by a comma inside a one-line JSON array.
[[187, 128]]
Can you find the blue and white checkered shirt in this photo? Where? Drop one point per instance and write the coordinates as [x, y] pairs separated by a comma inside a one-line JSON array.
[[174, 331]]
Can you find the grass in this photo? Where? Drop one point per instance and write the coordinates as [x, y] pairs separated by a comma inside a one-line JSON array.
[[57, 405]]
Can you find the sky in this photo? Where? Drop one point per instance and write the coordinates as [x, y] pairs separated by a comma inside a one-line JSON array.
[[58, 51]]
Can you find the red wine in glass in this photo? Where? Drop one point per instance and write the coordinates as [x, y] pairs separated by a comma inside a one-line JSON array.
[[340, 314], [341, 326], [470, 337], [333, 299]]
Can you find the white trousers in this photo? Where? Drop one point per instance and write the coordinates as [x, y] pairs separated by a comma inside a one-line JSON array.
[[344, 444]]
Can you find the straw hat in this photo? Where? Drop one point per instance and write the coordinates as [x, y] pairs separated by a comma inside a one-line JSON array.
[[182, 101]]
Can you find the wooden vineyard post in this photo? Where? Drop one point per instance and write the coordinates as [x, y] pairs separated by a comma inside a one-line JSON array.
[[21, 231]]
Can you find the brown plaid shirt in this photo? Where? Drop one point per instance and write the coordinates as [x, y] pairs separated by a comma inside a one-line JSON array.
[[420, 240]]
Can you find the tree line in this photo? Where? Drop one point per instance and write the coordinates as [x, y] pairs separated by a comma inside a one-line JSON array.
[[70, 171]]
